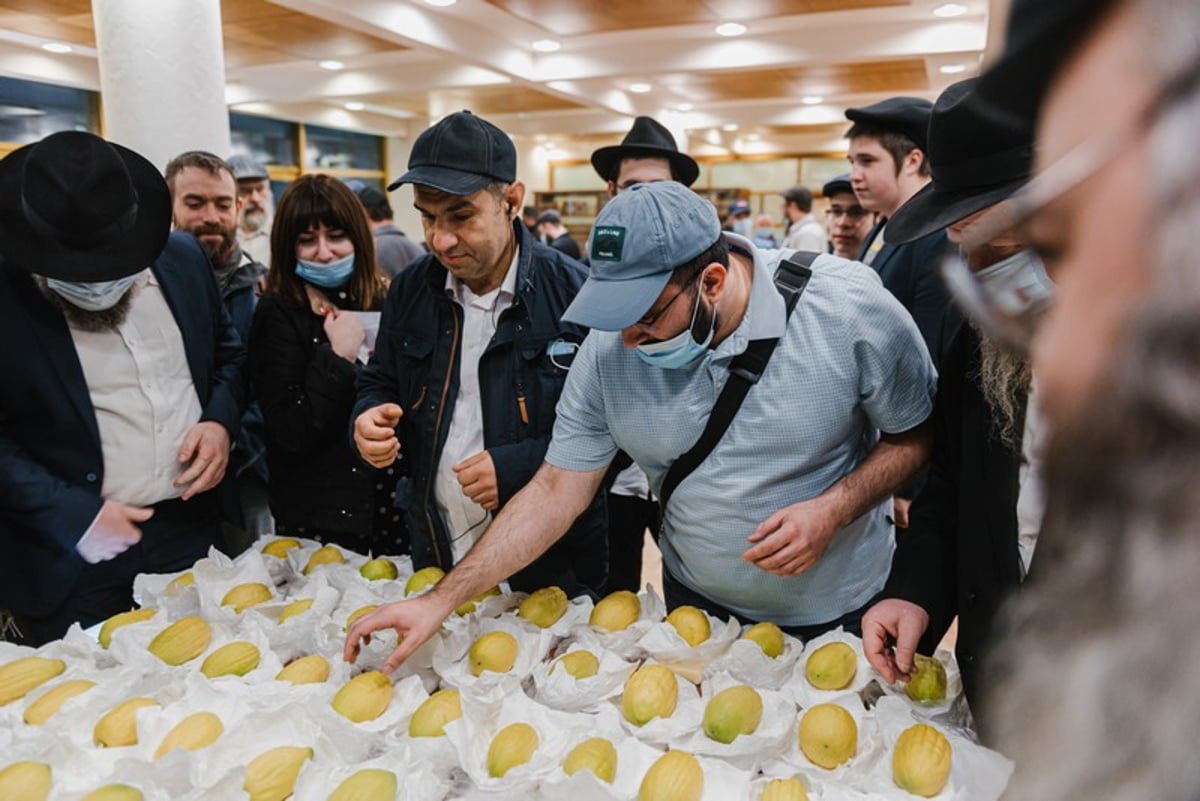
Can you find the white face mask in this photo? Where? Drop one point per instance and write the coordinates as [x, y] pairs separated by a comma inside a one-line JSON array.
[[1018, 284], [92, 295]]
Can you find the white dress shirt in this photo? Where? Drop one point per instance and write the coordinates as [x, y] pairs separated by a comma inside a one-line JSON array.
[[466, 520]]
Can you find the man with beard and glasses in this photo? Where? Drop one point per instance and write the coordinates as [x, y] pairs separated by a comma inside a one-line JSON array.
[[974, 525], [122, 387], [786, 518], [205, 203], [258, 206]]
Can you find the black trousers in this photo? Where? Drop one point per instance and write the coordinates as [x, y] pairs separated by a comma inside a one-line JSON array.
[[628, 519], [179, 533]]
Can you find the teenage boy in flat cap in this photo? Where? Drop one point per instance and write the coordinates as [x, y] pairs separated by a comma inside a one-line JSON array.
[[470, 360], [122, 388], [888, 165], [786, 518]]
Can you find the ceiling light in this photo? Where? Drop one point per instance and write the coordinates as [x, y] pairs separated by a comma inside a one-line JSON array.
[[56, 47], [441, 3], [330, 64], [812, 100], [952, 69], [731, 29], [684, 107], [641, 87], [354, 105], [729, 126], [546, 45], [950, 10], [753, 137]]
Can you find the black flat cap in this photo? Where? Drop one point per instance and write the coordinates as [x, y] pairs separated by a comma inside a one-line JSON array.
[[905, 115]]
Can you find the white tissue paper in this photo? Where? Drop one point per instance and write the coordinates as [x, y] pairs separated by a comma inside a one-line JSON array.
[[869, 745], [806, 695], [450, 658], [662, 643], [556, 688], [747, 751], [577, 614], [746, 662], [634, 758], [937, 710], [415, 780], [686, 718], [356, 742], [625, 644]]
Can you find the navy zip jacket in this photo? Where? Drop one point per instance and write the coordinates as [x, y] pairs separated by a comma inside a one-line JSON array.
[[416, 365]]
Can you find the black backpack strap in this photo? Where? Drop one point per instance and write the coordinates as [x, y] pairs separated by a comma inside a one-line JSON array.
[[791, 278]]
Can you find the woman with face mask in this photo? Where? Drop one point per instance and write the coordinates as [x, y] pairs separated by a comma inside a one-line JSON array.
[[306, 347]]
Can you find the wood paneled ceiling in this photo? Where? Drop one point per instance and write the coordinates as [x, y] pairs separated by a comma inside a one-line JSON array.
[[406, 61]]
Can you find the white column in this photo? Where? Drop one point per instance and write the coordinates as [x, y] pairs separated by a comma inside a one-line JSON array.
[[162, 76]]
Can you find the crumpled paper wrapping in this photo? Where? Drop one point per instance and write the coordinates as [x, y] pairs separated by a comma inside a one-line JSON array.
[[577, 614], [747, 751], [663, 644], [450, 658], [626, 643], [746, 662], [869, 746], [661, 731], [356, 742], [634, 758], [976, 773], [806, 695], [555, 687], [945, 711], [416, 781]]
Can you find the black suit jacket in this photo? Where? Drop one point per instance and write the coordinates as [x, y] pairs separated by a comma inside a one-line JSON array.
[[959, 552], [51, 465], [910, 272]]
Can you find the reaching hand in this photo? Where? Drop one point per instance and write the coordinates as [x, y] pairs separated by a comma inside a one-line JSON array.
[[414, 622], [900, 507], [794, 538], [477, 475], [345, 332], [206, 446], [891, 630], [375, 434], [113, 533]]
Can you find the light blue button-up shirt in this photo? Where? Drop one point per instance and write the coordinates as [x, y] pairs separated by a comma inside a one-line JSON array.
[[852, 363]]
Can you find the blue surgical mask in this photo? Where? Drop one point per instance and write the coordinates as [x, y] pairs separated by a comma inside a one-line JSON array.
[[326, 276], [681, 349], [1019, 283], [744, 226], [92, 295]]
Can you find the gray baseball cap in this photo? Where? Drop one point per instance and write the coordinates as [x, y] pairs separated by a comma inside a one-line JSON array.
[[245, 168], [638, 240]]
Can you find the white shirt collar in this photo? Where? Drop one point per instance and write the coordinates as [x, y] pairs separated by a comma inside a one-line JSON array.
[[507, 290]]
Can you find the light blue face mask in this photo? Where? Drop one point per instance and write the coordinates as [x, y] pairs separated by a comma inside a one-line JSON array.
[[326, 276], [743, 226], [1018, 284], [681, 349], [92, 295]]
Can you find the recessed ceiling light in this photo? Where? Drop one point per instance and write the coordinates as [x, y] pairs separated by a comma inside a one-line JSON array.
[[731, 29], [57, 47], [952, 69], [546, 45], [729, 126], [684, 107], [950, 10], [354, 105], [441, 3], [330, 64], [812, 100], [753, 137], [641, 87]]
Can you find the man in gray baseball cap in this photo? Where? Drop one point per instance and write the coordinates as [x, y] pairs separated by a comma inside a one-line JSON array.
[[786, 519]]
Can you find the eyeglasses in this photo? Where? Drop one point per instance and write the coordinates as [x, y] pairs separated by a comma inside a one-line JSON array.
[[855, 213], [649, 319], [1012, 323]]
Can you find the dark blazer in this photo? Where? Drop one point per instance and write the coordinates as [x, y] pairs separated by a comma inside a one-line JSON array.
[[958, 555], [51, 465], [910, 272], [521, 374]]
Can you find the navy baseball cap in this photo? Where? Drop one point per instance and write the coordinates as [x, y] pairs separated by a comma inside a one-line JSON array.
[[638, 240], [461, 154]]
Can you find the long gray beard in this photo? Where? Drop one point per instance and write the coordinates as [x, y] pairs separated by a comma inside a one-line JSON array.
[[92, 322], [1004, 378]]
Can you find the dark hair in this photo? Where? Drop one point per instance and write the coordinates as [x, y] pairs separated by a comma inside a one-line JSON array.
[[377, 206], [310, 201], [201, 159], [801, 196], [896, 144], [687, 272]]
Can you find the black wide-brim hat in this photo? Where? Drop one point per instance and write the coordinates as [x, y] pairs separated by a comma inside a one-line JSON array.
[[77, 208], [647, 139], [980, 152]]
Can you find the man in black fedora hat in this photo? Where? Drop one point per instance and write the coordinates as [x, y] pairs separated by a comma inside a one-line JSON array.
[[974, 525], [888, 165], [123, 384], [471, 357], [647, 153]]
